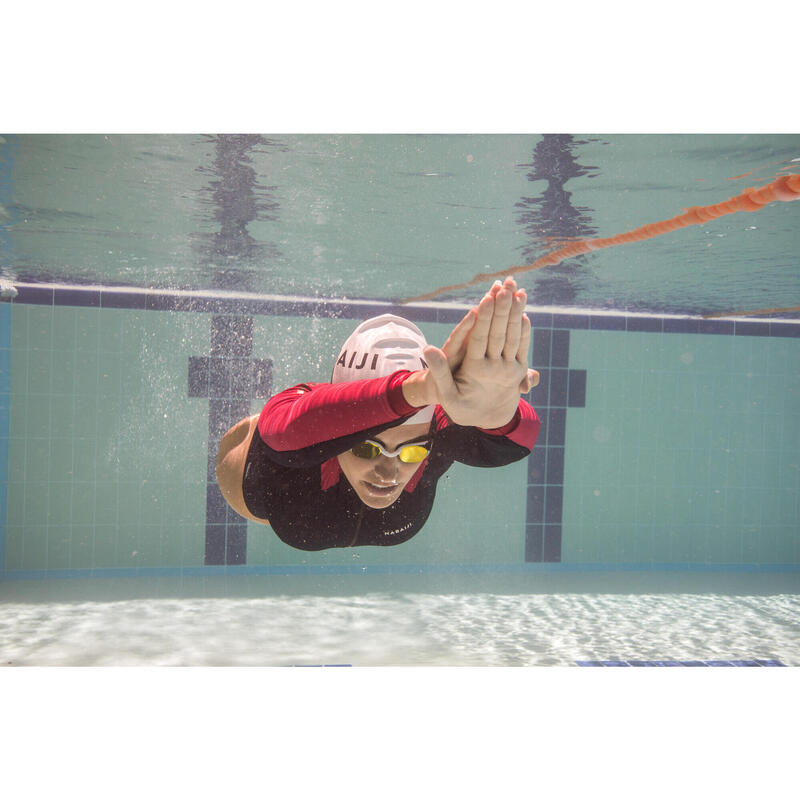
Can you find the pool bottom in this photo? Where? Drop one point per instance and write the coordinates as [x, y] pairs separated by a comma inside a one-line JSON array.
[[402, 629]]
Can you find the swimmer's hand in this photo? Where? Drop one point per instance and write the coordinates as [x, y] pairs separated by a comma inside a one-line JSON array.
[[419, 388], [482, 369]]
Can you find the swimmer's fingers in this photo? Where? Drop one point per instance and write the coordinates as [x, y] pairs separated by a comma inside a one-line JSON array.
[[524, 340], [530, 381], [514, 328], [498, 331], [479, 335], [456, 345]]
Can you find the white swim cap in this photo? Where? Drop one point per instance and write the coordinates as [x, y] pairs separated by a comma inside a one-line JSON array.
[[377, 348]]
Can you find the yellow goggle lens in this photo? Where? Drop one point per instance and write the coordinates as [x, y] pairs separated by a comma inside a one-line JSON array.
[[411, 454], [366, 450]]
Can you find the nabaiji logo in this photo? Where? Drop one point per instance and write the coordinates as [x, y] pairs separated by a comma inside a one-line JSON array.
[[398, 530], [343, 362]]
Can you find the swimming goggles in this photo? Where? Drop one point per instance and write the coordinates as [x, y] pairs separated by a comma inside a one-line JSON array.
[[409, 454]]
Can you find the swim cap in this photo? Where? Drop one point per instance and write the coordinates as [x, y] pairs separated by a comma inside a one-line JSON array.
[[377, 348]]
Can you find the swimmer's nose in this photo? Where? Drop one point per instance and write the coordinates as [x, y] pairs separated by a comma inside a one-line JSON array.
[[387, 468]]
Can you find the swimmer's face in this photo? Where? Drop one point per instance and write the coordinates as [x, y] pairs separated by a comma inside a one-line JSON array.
[[379, 481]]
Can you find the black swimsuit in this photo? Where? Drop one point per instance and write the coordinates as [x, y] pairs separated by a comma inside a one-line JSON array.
[[285, 486]]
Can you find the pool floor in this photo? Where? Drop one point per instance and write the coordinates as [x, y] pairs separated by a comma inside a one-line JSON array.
[[403, 629]]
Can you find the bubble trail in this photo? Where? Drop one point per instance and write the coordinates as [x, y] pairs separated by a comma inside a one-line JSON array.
[[783, 189]]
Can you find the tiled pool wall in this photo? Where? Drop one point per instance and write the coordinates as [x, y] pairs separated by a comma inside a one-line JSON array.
[[666, 442]]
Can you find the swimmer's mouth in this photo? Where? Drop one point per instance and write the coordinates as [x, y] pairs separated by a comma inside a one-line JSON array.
[[381, 490]]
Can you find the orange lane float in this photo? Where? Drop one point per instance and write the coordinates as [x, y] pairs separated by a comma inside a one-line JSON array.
[[783, 189], [754, 313]]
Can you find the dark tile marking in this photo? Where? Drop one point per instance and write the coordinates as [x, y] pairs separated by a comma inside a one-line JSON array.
[[229, 378], [648, 324], [559, 388]]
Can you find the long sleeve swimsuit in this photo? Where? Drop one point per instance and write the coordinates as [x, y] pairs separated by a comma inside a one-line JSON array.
[[292, 477]]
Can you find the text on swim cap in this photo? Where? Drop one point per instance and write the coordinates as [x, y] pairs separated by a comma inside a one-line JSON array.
[[347, 365], [343, 360]]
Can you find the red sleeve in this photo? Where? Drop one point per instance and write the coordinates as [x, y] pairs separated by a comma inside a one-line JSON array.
[[308, 414], [523, 428]]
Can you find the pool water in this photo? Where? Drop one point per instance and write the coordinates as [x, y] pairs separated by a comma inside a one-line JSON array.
[[392, 217], [657, 518]]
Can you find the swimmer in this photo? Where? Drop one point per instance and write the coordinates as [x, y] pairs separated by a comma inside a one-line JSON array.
[[356, 461]]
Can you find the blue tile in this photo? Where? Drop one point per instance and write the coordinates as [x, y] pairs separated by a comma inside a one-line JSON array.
[[262, 377], [216, 507], [769, 662], [576, 395], [241, 377], [77, 297], [219, 378], [224, 412], [779, 329], [541, 393], [751, 328], [572, 321], [537, 465], [539, 320], [555, 465], [236, 543], [551, 551], [231, 336], [417, 315], [556, 426], [161, 302], [215, 545], [693, 663], [615, 663], [605, 323], [559, 349], [744, 663], [559, 379], [647, 324], [117, 299], [719, 664], [215, 305], [535, 505], [35, 295], [716, 326], [554, 499], [198, 376], [534, 543], [681, 325], [448, 316], [541, 348], [589, 663]]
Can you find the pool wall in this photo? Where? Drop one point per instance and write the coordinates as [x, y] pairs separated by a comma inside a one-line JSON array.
[[666, 442]]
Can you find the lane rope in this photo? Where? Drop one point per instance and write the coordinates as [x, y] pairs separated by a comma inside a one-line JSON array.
[[783, 189]]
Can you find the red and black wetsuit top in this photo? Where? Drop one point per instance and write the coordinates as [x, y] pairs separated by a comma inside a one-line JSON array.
[[292, 477]]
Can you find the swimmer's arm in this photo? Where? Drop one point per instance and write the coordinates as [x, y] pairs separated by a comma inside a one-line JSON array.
[[320, 415], [496, 447]]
